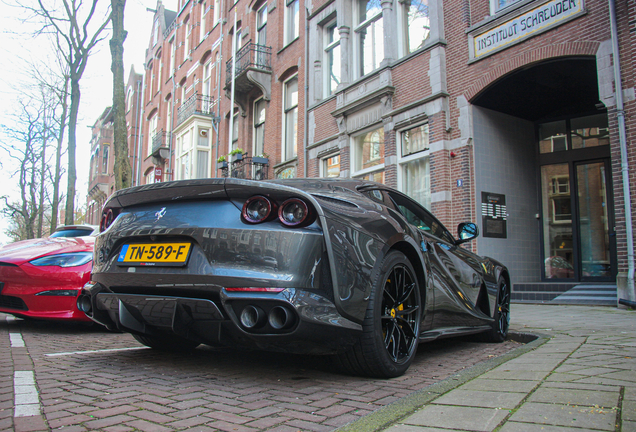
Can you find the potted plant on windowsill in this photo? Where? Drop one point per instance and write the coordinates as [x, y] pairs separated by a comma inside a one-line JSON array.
[[221, 163], [236, 155], [262, 159]]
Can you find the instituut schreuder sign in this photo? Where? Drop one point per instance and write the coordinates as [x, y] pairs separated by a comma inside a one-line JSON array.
[[548, 15]]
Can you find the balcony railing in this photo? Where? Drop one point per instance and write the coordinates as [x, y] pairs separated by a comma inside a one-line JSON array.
[[196, 104], [248, 168], [249, 56], [159, 141]]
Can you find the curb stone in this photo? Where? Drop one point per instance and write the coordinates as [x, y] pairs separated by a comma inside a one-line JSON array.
[[386, 416]]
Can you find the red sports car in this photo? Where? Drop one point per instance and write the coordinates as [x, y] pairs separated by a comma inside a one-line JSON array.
[[41, 278]]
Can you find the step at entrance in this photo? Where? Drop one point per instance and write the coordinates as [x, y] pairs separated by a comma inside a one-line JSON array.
[[589, 295], [565, 293]]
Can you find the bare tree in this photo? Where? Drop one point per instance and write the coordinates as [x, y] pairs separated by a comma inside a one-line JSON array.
[[57, 81], [25, 146], [76, 34], [123, 170]]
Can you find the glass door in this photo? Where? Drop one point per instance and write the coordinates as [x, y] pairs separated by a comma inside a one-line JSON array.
[[558, 239], [596, 234], [578, 234]]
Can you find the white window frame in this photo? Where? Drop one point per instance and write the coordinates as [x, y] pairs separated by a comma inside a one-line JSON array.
[[323, 164], [330, 47], [286, 153], [217, 10], [354, 153], [404, 39], [173, 49], [186, 48], [496, 8], [403, 161], [261, 21], [105, 156], [292, 21], [152, 130], [202, 32], [368, 23], [256, 126]]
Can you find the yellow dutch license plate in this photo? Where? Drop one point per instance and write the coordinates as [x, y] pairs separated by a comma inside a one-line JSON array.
[[154, 254]]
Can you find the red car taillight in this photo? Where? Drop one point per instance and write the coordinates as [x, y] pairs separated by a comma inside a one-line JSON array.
[[293, 213], [257, 209], [108, 216]]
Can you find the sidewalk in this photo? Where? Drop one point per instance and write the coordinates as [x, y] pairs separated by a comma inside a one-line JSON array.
[[580, 375]]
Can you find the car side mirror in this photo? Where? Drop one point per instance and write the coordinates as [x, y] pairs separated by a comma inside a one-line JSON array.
[[467, 231]]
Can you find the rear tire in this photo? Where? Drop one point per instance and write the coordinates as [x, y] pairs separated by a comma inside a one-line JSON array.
[[391, 325], [501, 316], [167, 342]]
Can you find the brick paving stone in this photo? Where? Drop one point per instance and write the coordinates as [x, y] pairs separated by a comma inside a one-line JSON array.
[[108, 421], [231, 427], [193, 412], [119, 428], [228, 408], [283, 428], [226, 389], [69, 421], [341, 420], [266, 422], [263, 412], [188, 404], [259, 404], [229, 417], [6, 423], [188, 423], [152, 416], [334, 411], [122, 409], [308, 426], [143, 425], [29, 424], [80, 409], [75, 429], [150, 406], [303, 416]]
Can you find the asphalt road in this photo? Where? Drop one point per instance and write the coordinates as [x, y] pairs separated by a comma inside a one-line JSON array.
[[72, 377]]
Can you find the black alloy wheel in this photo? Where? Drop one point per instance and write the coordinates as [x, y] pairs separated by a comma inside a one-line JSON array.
[[391, 326], [400, 314], [501, 315]]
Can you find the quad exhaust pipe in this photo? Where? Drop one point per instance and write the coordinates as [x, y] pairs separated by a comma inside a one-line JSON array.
[[254, 318], [84, 303]]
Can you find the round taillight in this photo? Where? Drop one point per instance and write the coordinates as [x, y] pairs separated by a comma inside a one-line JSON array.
[[107, 219], [257, 209], [293, 212]]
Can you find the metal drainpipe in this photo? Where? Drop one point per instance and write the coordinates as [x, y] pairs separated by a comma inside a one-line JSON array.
[[218, 86], [138, 167], [620, 114], [306, 114]]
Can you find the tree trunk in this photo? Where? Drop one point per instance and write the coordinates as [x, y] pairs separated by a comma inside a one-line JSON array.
[[45, 135], [123, 170], [55, 202], [69, 214]]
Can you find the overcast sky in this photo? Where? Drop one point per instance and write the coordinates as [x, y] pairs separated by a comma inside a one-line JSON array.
[[96, 84]]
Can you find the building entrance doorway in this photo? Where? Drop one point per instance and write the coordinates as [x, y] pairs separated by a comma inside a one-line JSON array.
[[577, 224], [542, 141]]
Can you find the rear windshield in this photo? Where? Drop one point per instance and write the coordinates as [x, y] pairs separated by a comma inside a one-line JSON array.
[[72, 233]]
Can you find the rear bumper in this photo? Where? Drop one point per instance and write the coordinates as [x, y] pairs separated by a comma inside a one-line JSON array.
[[295, 321]]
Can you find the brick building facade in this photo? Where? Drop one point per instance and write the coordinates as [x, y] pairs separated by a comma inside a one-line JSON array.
[[516, 102], [501, 112], [101, 178]]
